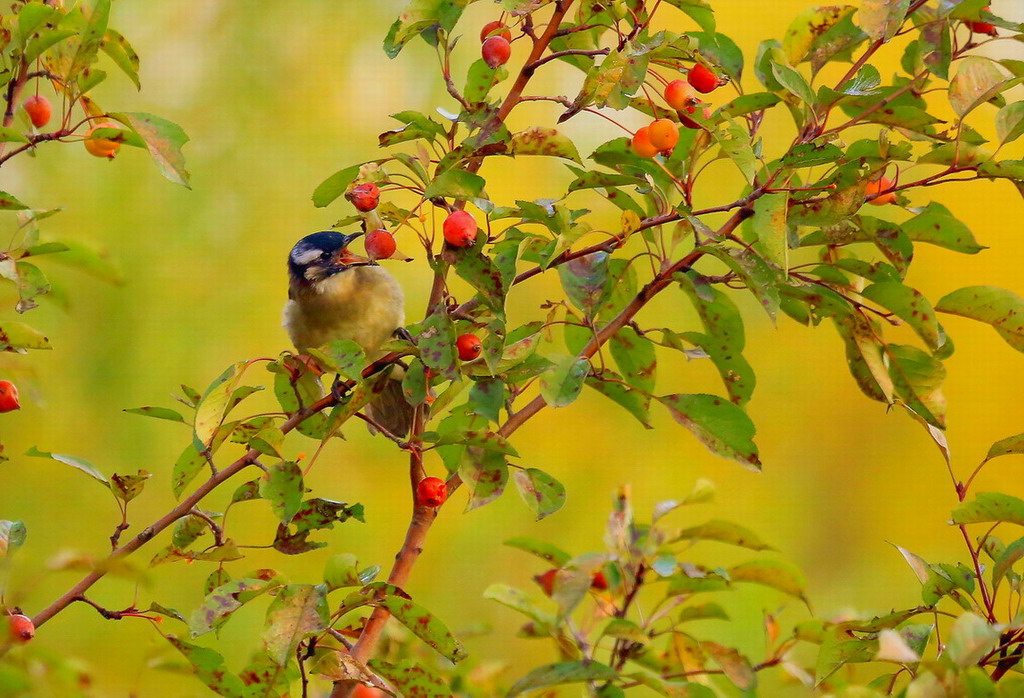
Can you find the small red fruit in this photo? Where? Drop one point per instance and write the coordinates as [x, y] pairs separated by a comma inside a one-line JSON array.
[[380, 244], [702, 79], [688, 122], [38, 109], [496, 51], [21, 628], [8, 397], [101, 147], [460, 229], [599, 583], [641, 143], [468, 346], [663, 134], [547, 581], [982, 27], [364, 197], [431, 492], [495, 28], [364, 691], [880, 185], [680, 94]]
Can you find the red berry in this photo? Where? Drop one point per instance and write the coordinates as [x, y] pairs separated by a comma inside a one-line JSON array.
[[460, 229], [495, 28], [599, 582], [663, 134], [982, 28], [496, 51], [431, 492], [641, 143], [8, 397], [21, 628], [702, 79], [38, 109], [469, 346], [380, 244], [364, 197], [680, 94], [364, 691], [547, 581]]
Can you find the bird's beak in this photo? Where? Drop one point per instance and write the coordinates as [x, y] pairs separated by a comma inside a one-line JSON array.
[[346, 258]]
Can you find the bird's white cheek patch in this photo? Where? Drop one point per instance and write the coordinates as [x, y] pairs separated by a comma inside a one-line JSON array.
[[305, 256]]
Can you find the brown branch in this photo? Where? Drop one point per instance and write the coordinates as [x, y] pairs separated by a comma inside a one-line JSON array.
[[14, 88]]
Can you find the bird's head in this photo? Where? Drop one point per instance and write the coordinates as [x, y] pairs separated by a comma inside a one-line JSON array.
[[318, 257]]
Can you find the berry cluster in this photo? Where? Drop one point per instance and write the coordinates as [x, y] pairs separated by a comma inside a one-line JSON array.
[[661, 135]]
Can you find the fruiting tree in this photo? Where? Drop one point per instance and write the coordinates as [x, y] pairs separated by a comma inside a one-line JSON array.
[[818, 230]]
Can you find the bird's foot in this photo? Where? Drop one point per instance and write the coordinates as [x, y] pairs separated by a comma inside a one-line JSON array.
[[402, 333]]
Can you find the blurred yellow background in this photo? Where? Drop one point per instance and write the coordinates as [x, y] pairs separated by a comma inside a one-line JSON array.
[[277, 96]]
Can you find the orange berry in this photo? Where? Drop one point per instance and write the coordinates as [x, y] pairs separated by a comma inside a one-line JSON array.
[[641, 143], [364, 691], [702, 79], [101, 147], [495, 28], [880, 185], [468, 346], [663, 134], [380, 244], [38, 109], [21, 628], [431, 492], [680, 94], [459, 229], [8, 397], [496, 51]]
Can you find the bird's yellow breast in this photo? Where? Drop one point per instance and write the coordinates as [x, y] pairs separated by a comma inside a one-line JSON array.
[[364, 304]]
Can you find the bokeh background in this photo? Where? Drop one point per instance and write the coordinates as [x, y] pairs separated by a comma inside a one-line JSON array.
[[276, 96]]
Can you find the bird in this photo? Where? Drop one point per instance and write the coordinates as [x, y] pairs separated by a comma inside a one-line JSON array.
[[335, 294]]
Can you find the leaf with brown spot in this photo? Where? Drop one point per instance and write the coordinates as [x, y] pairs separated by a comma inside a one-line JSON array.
[[228, 598], [209, 668], [425, 626], [723, 427], [543, 140], [995, 306], [412, 678], [299, 610]]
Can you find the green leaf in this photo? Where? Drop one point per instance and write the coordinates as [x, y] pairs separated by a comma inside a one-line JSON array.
[[158, 413], [425, 626], [992, 305], [75, 462], [545, 551], [485, 474], [90, 40], [769, 224], [334, 186], [415, 126], [304, 391], [881, 19], [805, 33], [12, 135], [480, 79], [832, 208], [542, 493], [970, 639], [634, 402], [561, 384], [748, 104], [865, 356], [229, 597], [615, 80], [422, 17], [990, 506], [128, 487], [761, 279], [1004, 564], [634, 355], [720, 425], [771, 573], [734, 665], [211, 411], [794, 82], [481, 273], [562, 673], [1007, 446], [737, 374], [342, 356], [436, 341], [209, 668], [282, 486], [910, 306], [1010, 122], [412, 678], [937, 226], [9, 202], [585, 281], [164, 140], [313, 515], [717, 311], [123, 55], [722, 532], [735, 143], [457, 184], [542, 140], [977, 80], [917, 377], [299, 610], [518, 601], [12, 536]]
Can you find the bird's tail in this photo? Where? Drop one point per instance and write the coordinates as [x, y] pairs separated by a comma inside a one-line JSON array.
[[390, 409]]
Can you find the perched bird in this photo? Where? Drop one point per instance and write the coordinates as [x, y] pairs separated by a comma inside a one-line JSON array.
[[335, 294]]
